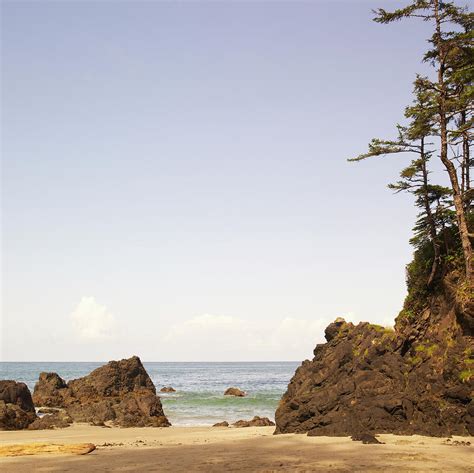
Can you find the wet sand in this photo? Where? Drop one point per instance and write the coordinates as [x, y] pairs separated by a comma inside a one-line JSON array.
[[210, 449]]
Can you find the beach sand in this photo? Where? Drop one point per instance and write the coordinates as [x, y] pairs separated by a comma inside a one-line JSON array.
[[207, 449]]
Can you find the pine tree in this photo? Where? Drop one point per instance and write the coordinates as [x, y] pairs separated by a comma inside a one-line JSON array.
[[460, 77], [446, 44], [415, 177]]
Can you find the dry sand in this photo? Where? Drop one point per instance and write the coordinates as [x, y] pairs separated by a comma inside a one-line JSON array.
[[206, 449]]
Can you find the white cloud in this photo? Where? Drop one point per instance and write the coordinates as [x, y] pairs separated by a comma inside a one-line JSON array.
[[92, 321], [205, 324], [216, 337]]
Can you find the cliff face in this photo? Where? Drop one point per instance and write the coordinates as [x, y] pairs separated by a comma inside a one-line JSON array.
[[416, 379]]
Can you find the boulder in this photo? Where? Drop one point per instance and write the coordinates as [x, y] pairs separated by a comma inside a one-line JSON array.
[[167, 389], [59, 419], [16, 406], [234, 392], [255, 422], [120, 392]]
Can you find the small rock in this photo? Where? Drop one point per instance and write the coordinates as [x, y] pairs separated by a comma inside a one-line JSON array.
[[167, 389], [234, 392], [365, 438], [221, 424], [458, 443], [255, 422]]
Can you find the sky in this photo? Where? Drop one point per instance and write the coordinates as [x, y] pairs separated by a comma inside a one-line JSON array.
[[174, 176]]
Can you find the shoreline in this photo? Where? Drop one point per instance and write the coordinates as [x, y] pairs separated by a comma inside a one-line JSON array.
[[199, 398], [213, 449]]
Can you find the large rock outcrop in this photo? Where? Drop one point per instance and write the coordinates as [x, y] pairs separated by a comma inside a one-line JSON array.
[[416, 379], [16, 406], [120, 392]]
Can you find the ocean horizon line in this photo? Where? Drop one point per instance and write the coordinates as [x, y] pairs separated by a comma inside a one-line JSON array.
[[153, 361]]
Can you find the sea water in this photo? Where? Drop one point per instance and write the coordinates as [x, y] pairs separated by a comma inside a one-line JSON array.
[[199, 398]]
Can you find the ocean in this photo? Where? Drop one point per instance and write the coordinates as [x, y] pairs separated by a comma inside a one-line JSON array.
[[199, 398]]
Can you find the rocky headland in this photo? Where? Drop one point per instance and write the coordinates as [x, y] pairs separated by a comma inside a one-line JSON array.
[[414, 379]]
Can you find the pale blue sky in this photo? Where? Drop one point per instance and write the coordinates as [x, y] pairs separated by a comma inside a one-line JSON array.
[[175, 182]]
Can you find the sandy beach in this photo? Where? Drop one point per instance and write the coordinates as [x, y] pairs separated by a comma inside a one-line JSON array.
[[230, 449]]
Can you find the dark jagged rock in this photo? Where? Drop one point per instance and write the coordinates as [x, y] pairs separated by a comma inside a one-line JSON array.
[[120, 392], [333, 329], [416, 379], [16, 406], [116, 378], [255, 422], [50, 390], [12, 392]]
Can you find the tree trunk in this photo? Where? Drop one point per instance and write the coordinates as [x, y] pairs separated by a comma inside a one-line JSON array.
[[466, 163], [453, 177], [430, 218]]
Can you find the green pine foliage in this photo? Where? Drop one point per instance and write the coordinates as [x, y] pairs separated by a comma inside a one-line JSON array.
[[439, 125]]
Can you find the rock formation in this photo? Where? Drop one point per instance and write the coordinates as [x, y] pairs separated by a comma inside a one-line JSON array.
[[16, 406], [221, 424], [167, 389], [50, 390], [59, 419], [415, 379], [255, 422], [120, 392], [234, 392]]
